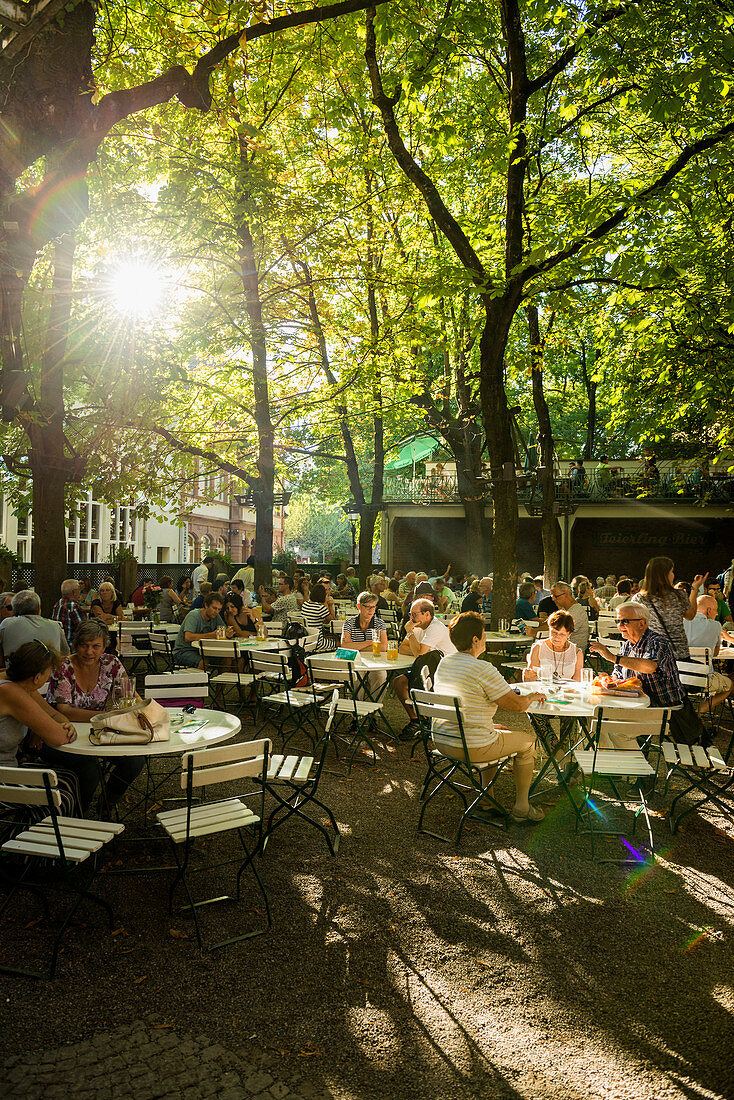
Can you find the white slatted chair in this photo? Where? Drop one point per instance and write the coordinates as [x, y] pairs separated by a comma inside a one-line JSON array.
[[174, 689], [620, 728], [275, 630], [293, 781], [221, 660], [204, 769], [359, 713], [66, 842], [288, 710], [296, 617], [705, 772], [470, 782], [161, 647], [127, 635]]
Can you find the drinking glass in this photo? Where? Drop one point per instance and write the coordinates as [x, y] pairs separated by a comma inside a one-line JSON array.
[[587, 678], [392, 650], [504, 625], [376, 643]]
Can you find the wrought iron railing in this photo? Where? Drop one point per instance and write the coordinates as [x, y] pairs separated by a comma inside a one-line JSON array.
[[595, 487]]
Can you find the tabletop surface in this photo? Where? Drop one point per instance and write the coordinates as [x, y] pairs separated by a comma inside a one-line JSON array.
[[573, 701], [218, 726], [366, 660], [498, 637]]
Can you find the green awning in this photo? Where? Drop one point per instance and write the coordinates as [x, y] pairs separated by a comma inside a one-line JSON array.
[[416, 450]]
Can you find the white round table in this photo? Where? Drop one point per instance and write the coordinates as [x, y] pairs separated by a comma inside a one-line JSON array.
[[567, 701], [218, 726]]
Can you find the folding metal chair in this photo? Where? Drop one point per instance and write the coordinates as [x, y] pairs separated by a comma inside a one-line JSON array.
[[221, 660], [461, 777], [360, 713], [66, 842], [206, 768], [175, 689], [621, 727], [297, 708], [133, 645], [293, 781], [161, 647], [705, 771]]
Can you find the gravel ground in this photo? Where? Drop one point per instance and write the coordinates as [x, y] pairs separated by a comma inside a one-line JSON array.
[[511, 967]]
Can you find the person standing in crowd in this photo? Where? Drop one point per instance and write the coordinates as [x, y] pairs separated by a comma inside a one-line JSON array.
[[201, 573], [68, 610], [246, 574], [668, 606]]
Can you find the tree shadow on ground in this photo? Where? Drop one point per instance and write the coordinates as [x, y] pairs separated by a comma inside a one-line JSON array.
[[409, 968]]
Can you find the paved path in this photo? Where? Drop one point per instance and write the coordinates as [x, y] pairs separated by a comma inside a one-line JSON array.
[[149, 1061]]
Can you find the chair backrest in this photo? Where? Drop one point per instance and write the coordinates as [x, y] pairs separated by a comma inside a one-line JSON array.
[[268, 664], [223, 764], [339, 672], [130, 630], [631, 723], [426, 678], [336, 626], [161, 643], [216, 649], [296, 617], [430, 704], [191, 684], [29, 787], [275, 630], [693, 676], [165, 628], [310, 643], [332, 710], [701, 654]]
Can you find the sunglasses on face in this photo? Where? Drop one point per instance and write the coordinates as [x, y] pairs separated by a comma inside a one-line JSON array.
[[626, 622]]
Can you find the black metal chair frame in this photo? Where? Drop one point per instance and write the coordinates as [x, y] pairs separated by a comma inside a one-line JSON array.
[[182, 860], [429, 705], [80, 892]]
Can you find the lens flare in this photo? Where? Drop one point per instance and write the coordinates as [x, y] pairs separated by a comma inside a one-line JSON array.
[[137, 287]]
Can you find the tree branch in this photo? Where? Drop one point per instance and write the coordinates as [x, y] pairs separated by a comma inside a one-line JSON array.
[[439, 212], [622, 212], [571, 52]]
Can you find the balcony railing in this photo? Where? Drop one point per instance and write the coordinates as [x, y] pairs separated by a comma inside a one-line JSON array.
[[716, 489]]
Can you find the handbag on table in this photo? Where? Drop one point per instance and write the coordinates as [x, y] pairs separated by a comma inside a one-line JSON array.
[[138, 725]]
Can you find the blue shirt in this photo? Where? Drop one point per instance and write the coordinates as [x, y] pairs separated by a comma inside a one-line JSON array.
[[663, 685]]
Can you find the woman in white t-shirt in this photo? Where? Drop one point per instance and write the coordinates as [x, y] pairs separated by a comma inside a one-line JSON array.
[[555, 658], [482, 689]]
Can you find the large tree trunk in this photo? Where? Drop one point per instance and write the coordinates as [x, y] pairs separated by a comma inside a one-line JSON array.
[[263, 488], [501, 460], [548, 521], [590, 387], [51, 469]]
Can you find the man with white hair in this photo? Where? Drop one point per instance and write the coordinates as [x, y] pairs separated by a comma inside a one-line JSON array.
[[564, 599], [704, 630], [424, 635], [644, 654], [26, 624], [68, 610]]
